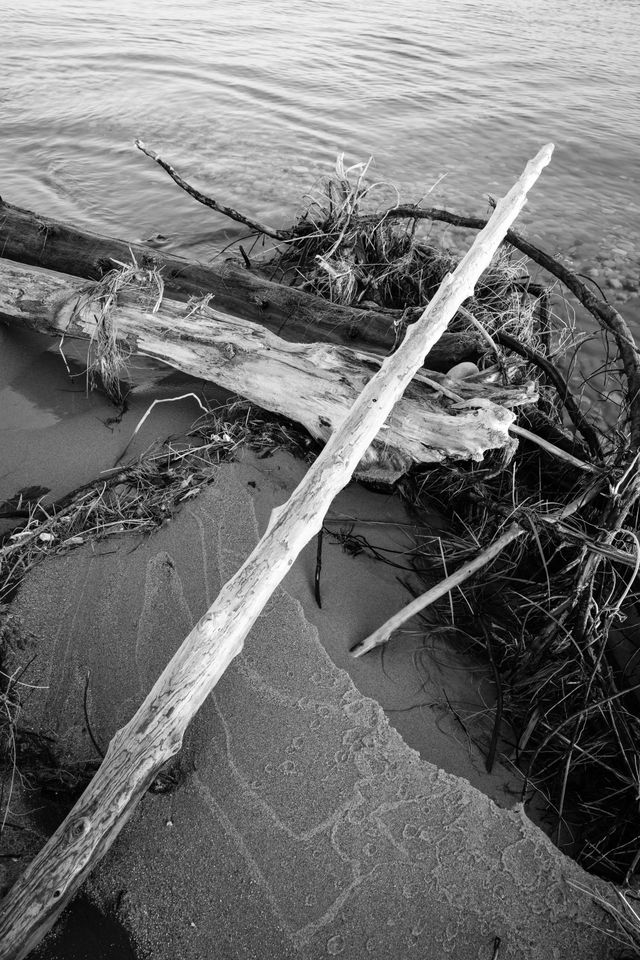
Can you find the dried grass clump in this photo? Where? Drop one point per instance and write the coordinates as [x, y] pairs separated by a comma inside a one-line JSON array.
[[346, 254], [624, 909], [106, 362], [137, 497], [546, 614]]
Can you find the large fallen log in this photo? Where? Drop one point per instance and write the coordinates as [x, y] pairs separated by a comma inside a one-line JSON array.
[[292, 314], [155, 733], [322, 380]]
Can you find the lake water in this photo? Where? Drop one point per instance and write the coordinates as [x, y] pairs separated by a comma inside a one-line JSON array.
[[252, 101]]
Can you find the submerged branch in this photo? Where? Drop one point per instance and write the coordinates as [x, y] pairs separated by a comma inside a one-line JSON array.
[[210, 202]]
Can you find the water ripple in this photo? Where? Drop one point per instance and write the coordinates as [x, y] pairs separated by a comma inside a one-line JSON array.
[[254, 100]]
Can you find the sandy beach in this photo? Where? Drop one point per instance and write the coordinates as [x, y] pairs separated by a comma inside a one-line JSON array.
[[303, 821]]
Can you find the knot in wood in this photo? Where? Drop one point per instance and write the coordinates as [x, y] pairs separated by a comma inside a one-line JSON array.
[[79, 828], [228, 351]]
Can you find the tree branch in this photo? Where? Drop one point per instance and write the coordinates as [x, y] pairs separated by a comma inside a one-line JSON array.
[[210, 202], [606, 315], [383, 633], [155, 732]]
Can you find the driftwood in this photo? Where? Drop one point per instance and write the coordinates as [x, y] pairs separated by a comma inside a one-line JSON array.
[[383, 633], [322, 380], [606, 314], [340, 251], [292, 314], [155, 733]]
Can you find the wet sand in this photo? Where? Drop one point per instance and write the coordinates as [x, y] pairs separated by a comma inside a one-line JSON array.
[[306, 824]]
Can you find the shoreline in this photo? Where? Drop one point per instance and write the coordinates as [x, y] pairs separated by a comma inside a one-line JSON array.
[[282, 718]]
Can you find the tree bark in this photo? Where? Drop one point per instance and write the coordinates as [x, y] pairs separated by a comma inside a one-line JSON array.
[[245, 358], [155, 732], [29, 238]]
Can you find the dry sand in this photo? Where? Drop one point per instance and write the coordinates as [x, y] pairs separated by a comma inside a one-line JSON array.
[[306, 825]]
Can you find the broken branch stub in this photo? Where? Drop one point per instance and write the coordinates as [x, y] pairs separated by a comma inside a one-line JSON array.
[[155, 732]]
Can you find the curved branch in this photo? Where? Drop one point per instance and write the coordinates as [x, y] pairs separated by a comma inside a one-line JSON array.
[[604, 313], [578, 419], [209, 201]]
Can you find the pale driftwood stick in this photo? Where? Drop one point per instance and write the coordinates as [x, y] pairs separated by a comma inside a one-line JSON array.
[[322, 380], [155, 733], [553, 450], [383, 633], [557, 517], [210, 202]]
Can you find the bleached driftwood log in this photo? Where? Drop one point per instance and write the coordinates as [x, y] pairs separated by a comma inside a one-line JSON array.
[[155, 732], [322, 380], [291, 313]]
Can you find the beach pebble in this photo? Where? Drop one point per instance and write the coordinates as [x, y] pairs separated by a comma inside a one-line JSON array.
[[461, 371]]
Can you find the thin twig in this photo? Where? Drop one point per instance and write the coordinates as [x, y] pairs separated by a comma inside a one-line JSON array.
[[318, 570], [553, 450], [210, 202], [497, 723], [97, 746], [183, 396], [382, 634]]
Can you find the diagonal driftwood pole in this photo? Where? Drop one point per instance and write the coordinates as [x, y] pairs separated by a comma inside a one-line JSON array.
[[155, 733]]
